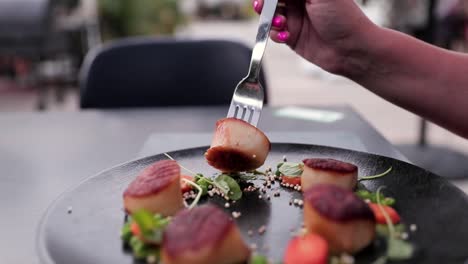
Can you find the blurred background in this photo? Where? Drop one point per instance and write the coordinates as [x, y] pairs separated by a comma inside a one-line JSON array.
[[43, 44]]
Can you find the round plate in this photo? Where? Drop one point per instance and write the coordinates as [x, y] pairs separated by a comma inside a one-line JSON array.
[[83, 224]]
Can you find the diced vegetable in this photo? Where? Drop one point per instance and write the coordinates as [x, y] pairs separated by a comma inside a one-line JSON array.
[[184, 186], [291, 180], [307, 249], [397, 249], [135, 229], [379, 216]]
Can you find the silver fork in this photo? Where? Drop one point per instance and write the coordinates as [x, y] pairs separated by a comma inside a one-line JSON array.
[[247, 101]]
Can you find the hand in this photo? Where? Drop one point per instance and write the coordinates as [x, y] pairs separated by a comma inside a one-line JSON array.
[[329, 33]]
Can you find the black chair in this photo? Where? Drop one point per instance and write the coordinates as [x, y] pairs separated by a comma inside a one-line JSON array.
[[152, 72], [24, 27]]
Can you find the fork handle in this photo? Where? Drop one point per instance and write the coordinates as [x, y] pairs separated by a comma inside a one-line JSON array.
[[266, 17]]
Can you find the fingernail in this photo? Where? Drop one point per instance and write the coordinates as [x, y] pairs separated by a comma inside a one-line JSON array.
[[256, 6], [278, 21], [283, 36]]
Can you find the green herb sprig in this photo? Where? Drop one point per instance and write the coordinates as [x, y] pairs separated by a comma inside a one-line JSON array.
[[365, 178], [225, 183], [199, 193], [230, 187], [397, 249], [152, 228], [372, 196]]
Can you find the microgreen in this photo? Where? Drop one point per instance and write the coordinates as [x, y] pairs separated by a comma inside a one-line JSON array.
[[365, 178], [397, 249], [367, 195], [141, 250], [230, 187], [151, 226], [291, 169], [126, 232], [199, 193], [203, 182], [189, 171], [258, 259]]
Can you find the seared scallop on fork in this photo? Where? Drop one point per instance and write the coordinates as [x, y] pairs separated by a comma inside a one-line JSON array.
[[237, 146]]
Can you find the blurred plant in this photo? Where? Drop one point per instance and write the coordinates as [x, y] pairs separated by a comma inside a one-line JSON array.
[[121, 18]]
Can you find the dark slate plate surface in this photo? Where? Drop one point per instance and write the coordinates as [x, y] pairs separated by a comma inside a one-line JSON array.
[[90, 233]]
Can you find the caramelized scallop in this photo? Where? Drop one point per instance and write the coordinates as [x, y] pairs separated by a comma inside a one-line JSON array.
[[203, 235], [339, 216], [328, 171], [237, 146], [156, 189]]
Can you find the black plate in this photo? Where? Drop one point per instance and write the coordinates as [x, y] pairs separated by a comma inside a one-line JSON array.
[[90, 233]]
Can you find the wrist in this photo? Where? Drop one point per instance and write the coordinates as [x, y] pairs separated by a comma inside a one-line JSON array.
[[357, 55]]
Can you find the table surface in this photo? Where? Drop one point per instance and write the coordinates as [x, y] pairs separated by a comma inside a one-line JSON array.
[[43, 154]]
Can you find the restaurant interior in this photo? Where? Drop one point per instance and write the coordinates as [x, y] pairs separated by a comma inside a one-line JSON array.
[[86, 85]]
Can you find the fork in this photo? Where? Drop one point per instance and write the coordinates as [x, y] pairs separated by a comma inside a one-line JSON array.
[[247, 101]]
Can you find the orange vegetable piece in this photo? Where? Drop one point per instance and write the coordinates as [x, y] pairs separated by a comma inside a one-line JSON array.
[[307, 249], [379, 216], [291, 180], [135, 229], [184, 186]]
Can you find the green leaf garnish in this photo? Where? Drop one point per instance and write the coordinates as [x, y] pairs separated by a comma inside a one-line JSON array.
[[364, 178], [258, 259], [126, 232], [203, 182], [277, 172], [291, 169], [151, 226], [257, 172], [145, 221], [229, 186], [397, 249], [141, 250], [367, 195]]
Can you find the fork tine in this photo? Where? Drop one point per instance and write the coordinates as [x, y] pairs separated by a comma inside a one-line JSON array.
[[240, 112], [255, 116], [232, 110], [246, 115]]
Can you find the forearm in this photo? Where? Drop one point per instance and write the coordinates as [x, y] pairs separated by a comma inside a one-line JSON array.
[[426, 80]]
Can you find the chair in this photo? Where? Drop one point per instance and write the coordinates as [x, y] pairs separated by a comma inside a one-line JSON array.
[[152, 72]]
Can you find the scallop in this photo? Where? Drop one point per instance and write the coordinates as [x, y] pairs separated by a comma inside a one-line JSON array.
[[237, 146], [329, 171], [203, 235], [339, 216], [156, 189]]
